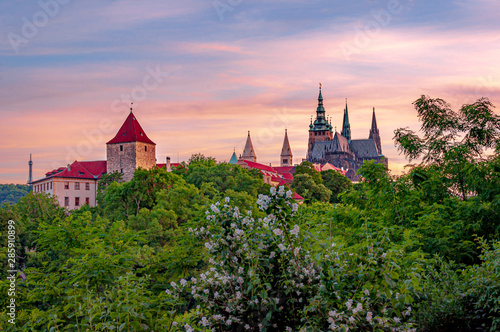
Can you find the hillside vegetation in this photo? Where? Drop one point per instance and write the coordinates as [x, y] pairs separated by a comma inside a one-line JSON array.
[[211, 247]]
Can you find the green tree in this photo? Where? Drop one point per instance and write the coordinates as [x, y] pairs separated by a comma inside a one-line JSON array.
[[306, 187], [11, 193], [336, 182], [452, 140], [307, 168]]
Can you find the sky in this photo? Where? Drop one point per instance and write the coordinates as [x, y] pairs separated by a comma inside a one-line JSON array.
[[202, 73]]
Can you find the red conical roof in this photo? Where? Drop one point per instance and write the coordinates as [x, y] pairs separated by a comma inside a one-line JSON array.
[[131, 131]]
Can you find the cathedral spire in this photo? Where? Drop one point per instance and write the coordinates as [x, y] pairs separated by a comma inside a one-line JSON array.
[[375, 134], [286, 152], [346, 127], [248, 152]]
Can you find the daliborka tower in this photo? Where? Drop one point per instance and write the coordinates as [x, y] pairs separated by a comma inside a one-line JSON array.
[[321, 129], [374, 133], [249, 152], [130, 149], [286, 152]]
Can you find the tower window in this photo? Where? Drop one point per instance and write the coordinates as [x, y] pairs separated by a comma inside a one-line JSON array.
[[146, 149], [121, 147], [121, 170]]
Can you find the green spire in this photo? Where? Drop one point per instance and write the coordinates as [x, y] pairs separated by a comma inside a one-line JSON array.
[[346, 127], [234, 158], [320, 123]]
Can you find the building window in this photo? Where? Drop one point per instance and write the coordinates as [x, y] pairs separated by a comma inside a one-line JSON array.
[[77, 185], [77, 201], [66, 185], [87, 186], [87, 200], [51, 186], [66, 201], [145, 149], [44, 187], [121, 147]]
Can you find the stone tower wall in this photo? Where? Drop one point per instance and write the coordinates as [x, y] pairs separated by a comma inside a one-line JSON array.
[[146, 155], [122, 161]]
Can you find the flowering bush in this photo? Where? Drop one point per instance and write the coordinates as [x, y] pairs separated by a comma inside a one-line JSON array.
[[263, 278]]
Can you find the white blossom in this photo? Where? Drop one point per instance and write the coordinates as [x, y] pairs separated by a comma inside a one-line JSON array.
[[273, 191]]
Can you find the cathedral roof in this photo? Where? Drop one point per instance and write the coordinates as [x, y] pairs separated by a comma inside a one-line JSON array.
[[338, 144], [364, 148], [131, 131]]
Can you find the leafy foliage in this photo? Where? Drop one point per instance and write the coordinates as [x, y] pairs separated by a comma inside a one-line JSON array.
[[394, 253], [11, 193]]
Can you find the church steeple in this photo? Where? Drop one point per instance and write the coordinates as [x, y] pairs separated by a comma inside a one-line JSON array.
[[286, 152], [321, 129], [248, 152], [375, 134], [346, 127], [320, 123]]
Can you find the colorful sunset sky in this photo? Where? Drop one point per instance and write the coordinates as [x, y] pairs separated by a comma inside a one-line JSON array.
[[202, 73]]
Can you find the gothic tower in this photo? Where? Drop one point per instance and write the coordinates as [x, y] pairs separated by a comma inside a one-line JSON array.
[[130, 149], [321, 130], [374, 133], [249, 152], [346, 127], [286, 153]]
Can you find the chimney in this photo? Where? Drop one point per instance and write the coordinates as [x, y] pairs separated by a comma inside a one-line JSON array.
[[168, 165]]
